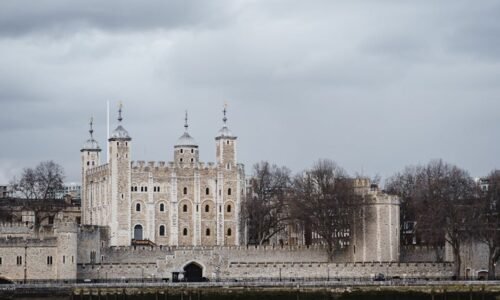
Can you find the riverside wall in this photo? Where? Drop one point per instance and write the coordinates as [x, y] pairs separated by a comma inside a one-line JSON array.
[[227, 263]]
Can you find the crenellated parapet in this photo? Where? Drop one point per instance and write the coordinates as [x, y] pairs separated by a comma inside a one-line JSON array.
[[102, 169]]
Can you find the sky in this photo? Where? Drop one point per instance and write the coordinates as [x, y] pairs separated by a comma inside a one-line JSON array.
[[373, 85]]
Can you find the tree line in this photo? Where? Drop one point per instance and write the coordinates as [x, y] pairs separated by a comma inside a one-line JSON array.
[[439, 203]]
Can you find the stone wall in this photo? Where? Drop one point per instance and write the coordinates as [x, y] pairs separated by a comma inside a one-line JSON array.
[[246, 263]]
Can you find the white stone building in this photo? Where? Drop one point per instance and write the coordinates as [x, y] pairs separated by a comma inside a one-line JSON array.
[[181, 203]]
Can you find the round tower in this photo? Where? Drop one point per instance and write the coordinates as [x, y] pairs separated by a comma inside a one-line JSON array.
[[119, 166], [186, 148], [90, 157]]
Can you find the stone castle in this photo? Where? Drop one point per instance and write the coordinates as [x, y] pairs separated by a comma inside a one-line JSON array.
[[150, 220], [181, 203]]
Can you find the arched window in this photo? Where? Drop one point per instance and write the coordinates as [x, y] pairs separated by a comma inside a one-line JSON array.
[[138, 232], [207, 208], [185, 232], [162, 230], [207, 232], [229, 191], [182, 150], [185, 208], [185, 191], [229, 208], [162, 207], [137, 207], [180, 160], [207, 191], [229, 232]]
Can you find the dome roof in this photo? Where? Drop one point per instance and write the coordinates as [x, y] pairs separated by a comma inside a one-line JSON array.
[[120, 133], [186, 140], [91, 144], [225, 132]]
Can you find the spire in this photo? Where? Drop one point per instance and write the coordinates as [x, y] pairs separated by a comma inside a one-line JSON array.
[[91, 144], [91, 130], [186, 121], [120, 112], [225, 132], [225, 111]]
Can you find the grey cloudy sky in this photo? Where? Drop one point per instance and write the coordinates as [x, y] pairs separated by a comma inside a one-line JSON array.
[[373, 85]]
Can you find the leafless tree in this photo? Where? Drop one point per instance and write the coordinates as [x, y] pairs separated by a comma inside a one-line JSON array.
[[40, 183], [325, 200], [487, 228], [265, 207], [442, 198]]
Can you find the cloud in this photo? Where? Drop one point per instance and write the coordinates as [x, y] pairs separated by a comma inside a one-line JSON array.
[[372, 85]]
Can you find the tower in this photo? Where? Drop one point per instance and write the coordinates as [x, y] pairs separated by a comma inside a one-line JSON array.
[[186, 148], [226, 145], [229, 185], [90, 156], [119, 164]]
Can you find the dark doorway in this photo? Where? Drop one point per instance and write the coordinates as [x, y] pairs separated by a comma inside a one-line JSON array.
[[193, 273], [138, 232], [5, 281]]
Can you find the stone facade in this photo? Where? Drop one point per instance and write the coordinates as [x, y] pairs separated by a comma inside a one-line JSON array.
[[247, 263], [181, 203]]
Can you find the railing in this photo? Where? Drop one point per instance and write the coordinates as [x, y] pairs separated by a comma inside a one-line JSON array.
[[260, 281]]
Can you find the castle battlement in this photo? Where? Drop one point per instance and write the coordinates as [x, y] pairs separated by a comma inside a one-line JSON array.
[[15, 224], [29, 242], [98, 169]]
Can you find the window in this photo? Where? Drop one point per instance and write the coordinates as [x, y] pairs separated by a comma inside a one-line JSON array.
[[142, 189], [158, 189], [229, 192], [135, 189], [0, 260], [185, 191], [207, 191], [132, 189], [137, 207], [180, 160], [229, 208], [19, 260], [182, 151], [185, 232], [154, 189], [207, 232], [207, 208], [88, 163], [185, 208], [162, 207], [192, 160], [229, 232], [64, 259], [162, 230], [145, 188], [49, 260], [192, 150], [228, 142]]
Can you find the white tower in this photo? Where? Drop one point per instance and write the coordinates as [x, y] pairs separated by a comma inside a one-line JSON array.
[[119, 164], [90, 155]]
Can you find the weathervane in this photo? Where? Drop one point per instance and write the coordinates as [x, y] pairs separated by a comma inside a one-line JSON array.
[[120, 111], [186, 121]]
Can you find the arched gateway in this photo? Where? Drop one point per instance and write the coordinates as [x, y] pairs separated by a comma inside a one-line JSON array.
[[193, 272]]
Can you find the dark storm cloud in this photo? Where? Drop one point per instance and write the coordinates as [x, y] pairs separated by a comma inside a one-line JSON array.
[[60, 16], [374, 85]]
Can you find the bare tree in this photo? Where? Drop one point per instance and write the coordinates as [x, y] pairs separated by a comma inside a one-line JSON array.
[[441, 198], [488, 221], [40, 183], [265, 207], [325, 200]]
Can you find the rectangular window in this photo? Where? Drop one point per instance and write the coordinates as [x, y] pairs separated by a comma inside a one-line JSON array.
[[0, 260], [49, 260], [64, 259], [19, 260]]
